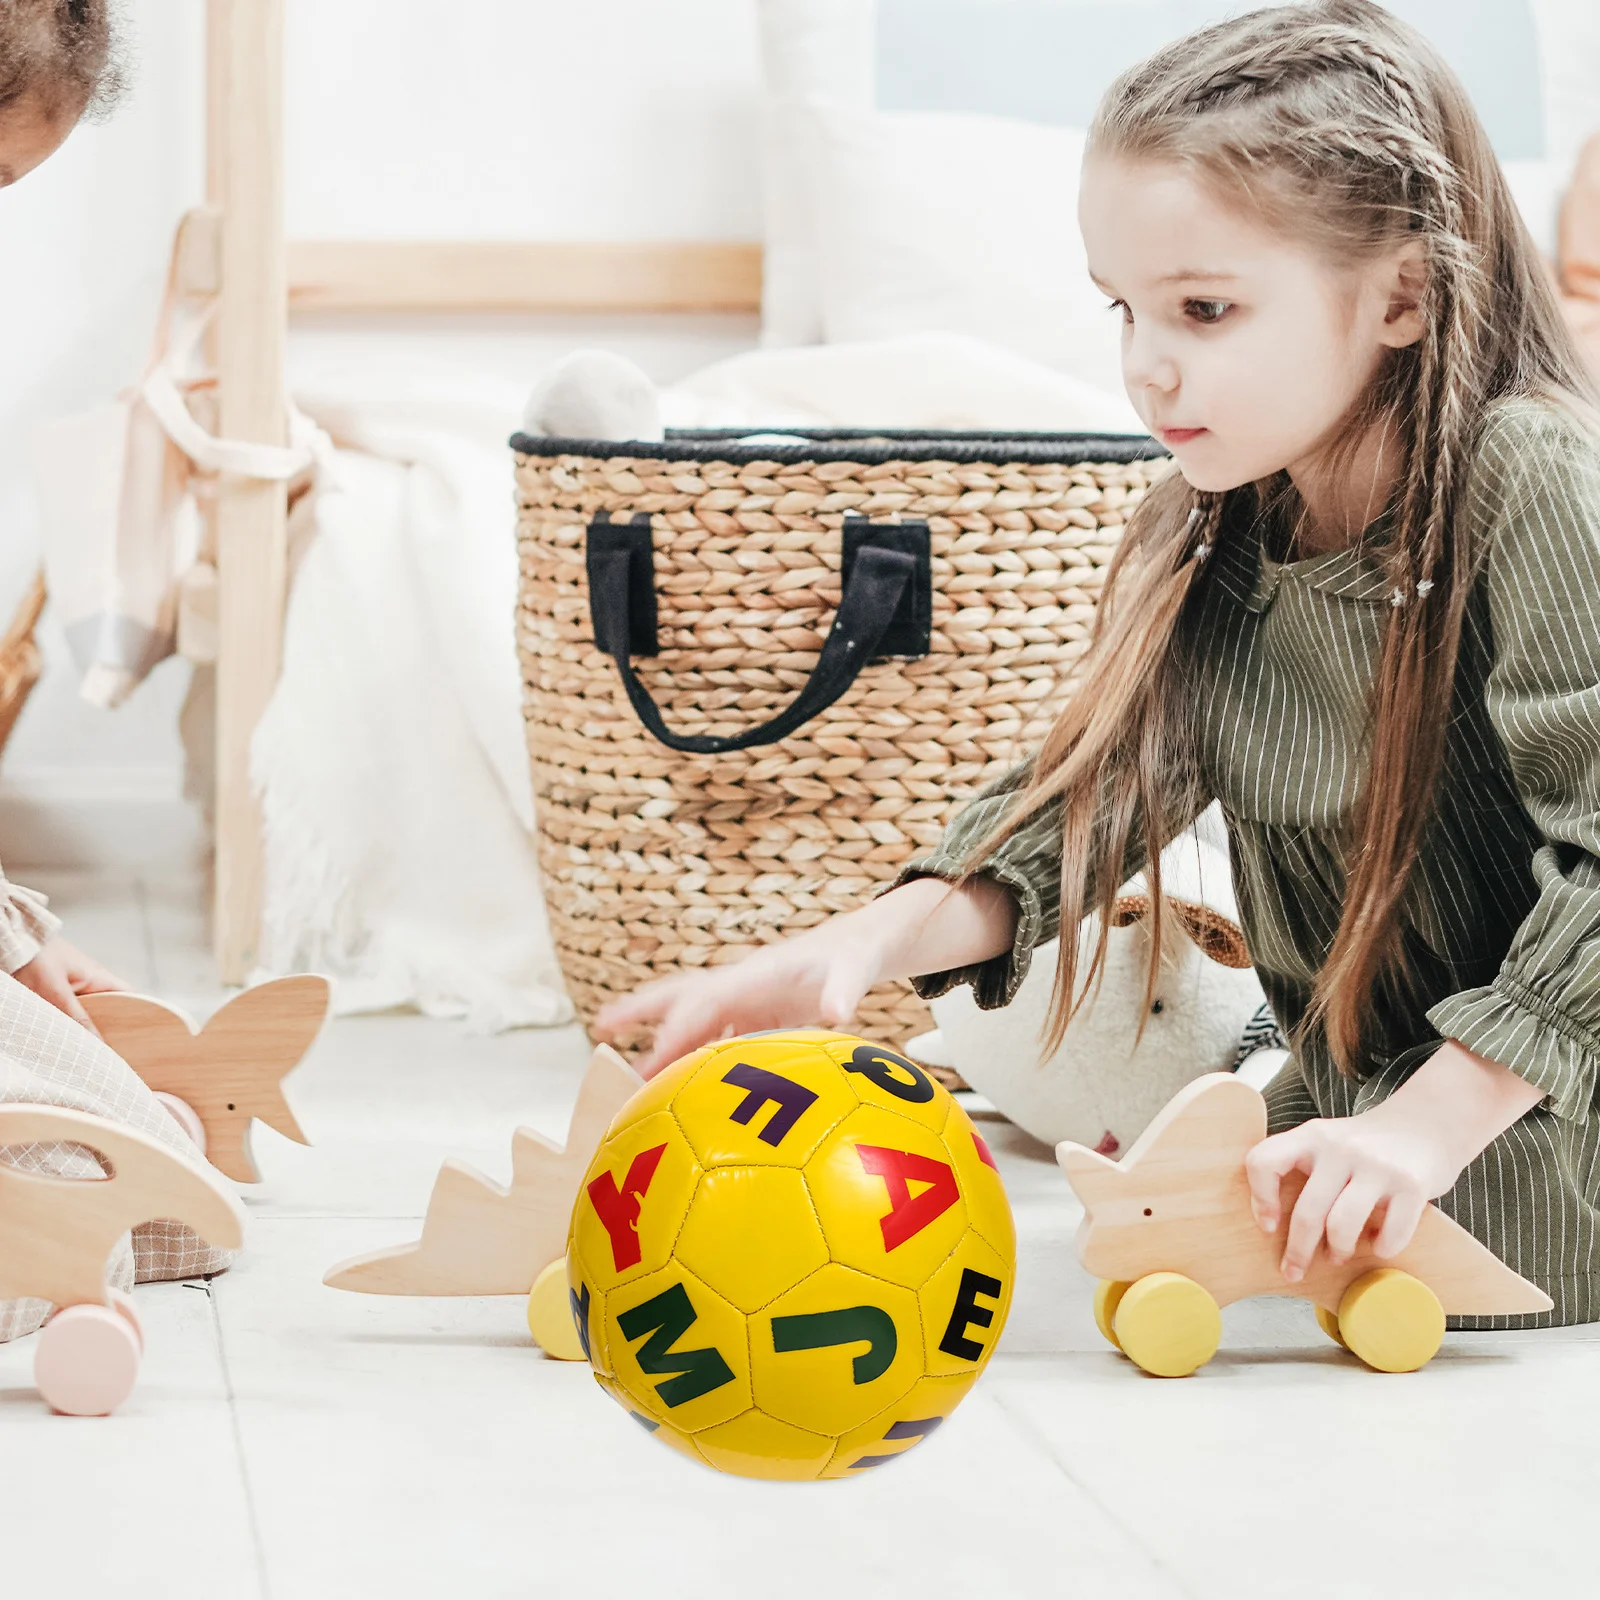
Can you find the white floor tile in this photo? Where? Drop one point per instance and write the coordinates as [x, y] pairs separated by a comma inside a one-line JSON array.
[[377, 1446], [405, 1447], [175, 911], [1297, 1471], [150, 1502], [103, 916], [385, 1099]]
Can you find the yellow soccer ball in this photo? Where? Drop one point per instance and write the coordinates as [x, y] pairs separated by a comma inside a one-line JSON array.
[[791, 1256]]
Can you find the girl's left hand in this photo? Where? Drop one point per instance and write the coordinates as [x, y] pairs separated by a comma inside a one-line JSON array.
[[60, 973], [1377, 1170]]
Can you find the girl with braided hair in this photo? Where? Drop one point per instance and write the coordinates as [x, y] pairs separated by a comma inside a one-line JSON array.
[[1363, 614]]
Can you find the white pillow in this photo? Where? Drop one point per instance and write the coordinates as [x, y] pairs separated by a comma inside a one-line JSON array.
[[968, 224], [810, 50], [824, 50], [962, 224]]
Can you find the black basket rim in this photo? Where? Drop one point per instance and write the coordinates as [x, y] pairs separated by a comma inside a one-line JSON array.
[[866, 446]]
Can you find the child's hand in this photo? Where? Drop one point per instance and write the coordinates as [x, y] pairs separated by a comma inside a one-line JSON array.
[[1382, 1167], [817, 978], [1374, 1170], [60, 973]]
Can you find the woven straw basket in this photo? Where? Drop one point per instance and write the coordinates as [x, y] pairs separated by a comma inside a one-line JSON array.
[[713, 574], [19, 659]]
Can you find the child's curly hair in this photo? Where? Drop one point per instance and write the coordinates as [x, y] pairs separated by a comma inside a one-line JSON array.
[[60, 57]]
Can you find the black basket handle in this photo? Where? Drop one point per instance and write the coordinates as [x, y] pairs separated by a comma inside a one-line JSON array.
[[885, 609]]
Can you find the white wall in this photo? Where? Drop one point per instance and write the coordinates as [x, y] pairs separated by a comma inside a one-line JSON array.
[[406, 118], [611, 119], [82, 251]]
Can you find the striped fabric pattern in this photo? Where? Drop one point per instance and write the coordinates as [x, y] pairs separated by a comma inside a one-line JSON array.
[[1261, 1033], [1501, 923]]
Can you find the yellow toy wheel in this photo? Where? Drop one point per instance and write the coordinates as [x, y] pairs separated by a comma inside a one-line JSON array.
[[550, 1314], [1108, 1295], [1329, 1324], [1393, 1321], [1167, 1324]]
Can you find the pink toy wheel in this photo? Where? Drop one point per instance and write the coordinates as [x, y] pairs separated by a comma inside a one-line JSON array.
[[87, 1360], [185, 1116], [124, 1306]]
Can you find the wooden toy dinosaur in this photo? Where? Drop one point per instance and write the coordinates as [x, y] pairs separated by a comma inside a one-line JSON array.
[[1169, 1232], [480, 1237], [56, 1233], [218, 1078]]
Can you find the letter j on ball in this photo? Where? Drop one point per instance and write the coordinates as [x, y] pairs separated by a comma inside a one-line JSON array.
[[791, 1256]]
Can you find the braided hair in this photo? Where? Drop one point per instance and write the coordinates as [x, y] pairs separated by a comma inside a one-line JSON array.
[[59, 57], [1338, 124]]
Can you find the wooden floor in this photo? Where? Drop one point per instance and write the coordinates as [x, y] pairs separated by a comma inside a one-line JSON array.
[[292, 1442]]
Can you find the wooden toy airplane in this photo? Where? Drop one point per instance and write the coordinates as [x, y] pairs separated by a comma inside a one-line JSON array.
[[56, 1233], [1169, 1232], [218, 1078], [480, 1237]]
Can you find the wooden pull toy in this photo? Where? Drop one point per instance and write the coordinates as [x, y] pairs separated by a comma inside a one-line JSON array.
[[1169, 1232], [56, 1233], [217, 1079], [480, 1237]]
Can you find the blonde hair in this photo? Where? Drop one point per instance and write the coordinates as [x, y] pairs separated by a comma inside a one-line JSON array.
[[1340, 124]]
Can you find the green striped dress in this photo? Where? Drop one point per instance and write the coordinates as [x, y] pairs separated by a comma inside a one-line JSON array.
[[1502, 919]]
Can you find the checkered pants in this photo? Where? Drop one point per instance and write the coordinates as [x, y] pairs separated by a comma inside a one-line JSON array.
[[47, 1059]]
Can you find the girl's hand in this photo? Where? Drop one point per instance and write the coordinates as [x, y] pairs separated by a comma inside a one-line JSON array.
[[819, 977], [60, 973], [1379, 1169], [1376, 1170], [816, 978]]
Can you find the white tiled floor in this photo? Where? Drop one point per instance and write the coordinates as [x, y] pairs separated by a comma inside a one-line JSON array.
[[290, 1441]]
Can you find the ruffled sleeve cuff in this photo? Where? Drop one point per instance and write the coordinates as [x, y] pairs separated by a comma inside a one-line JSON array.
[[25, 924], [1509, 1024], [996, 980]]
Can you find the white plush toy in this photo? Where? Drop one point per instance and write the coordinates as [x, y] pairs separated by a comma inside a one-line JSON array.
[[597, 394], [1105, 1084], [593, 394]]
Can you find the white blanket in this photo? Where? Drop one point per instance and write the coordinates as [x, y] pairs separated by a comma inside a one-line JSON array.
[[391, 761], [926, 380], [394, 788]]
